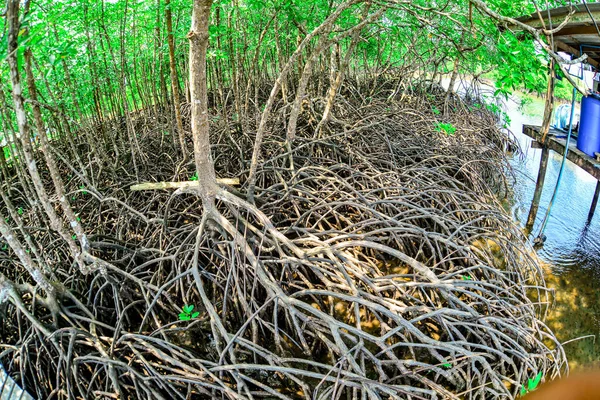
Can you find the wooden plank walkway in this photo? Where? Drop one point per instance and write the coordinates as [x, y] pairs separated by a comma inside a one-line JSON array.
[[557, 143]]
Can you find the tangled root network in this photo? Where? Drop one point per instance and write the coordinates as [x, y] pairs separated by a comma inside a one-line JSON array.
[[376, 262]]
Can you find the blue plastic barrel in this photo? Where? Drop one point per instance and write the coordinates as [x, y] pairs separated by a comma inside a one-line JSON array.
[[588, 139]]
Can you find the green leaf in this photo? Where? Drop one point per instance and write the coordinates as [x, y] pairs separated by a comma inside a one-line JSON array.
[[466, 278], [184, 317], [194, 177], [447, 365], [533, 383], [188, 309], [523, 391], [538, 377], [195, 315], [445, 128]]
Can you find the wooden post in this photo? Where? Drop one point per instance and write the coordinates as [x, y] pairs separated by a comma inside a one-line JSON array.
[[539, 186], [549, 104], [594, 202]]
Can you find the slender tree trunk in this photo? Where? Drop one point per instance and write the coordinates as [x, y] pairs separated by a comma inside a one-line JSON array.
[[12, 140], [218, 66], [338, 76], [198, 37], [453, 77], [25, 132], [280, 63], [73, 92], [233, 66], [59, 185], [123, 81], [14, 214], [34, 270], [3, 166], [277, 86], [549, 100], [302, 84], [174, 81], [254, 67]]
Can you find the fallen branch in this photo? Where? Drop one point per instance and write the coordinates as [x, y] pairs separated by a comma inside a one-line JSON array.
[[179, 185]]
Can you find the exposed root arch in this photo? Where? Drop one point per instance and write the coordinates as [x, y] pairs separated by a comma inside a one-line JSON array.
[[370, 265]]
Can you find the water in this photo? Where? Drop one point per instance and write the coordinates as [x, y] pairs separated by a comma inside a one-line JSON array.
[[572, 248]]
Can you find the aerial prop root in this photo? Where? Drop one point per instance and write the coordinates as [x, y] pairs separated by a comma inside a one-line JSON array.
[[502, 347]]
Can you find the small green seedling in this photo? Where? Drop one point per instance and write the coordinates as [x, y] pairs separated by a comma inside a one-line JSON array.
[[436, 111], [83, 191], [466, 278], [447, 365], [445, 128], [20, 210], [194, 177], [532, 384], [187, 314]]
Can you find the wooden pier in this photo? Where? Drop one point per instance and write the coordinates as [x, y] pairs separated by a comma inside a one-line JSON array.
[[556, 141], [577, 35]]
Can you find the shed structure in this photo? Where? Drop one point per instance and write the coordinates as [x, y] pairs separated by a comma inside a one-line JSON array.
[[579, 34]]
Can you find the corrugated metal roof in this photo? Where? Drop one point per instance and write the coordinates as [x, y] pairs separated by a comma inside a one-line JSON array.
[[579, 35]]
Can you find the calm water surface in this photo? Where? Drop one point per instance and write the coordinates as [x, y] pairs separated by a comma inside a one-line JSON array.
[[572, 248]]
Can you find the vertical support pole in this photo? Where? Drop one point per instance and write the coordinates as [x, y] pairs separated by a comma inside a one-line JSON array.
[[539, 186], [549, 105], [594, 202]]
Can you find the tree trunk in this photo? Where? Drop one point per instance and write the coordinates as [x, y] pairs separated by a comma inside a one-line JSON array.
[[25, 133], [338, 76], [174, 82], [453, 77], [277, 86], [198, 37], [549, 101], [233, 66], [59, 185], [301, 90]]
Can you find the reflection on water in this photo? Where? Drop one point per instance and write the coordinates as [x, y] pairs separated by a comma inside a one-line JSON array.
[[572, 248]]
